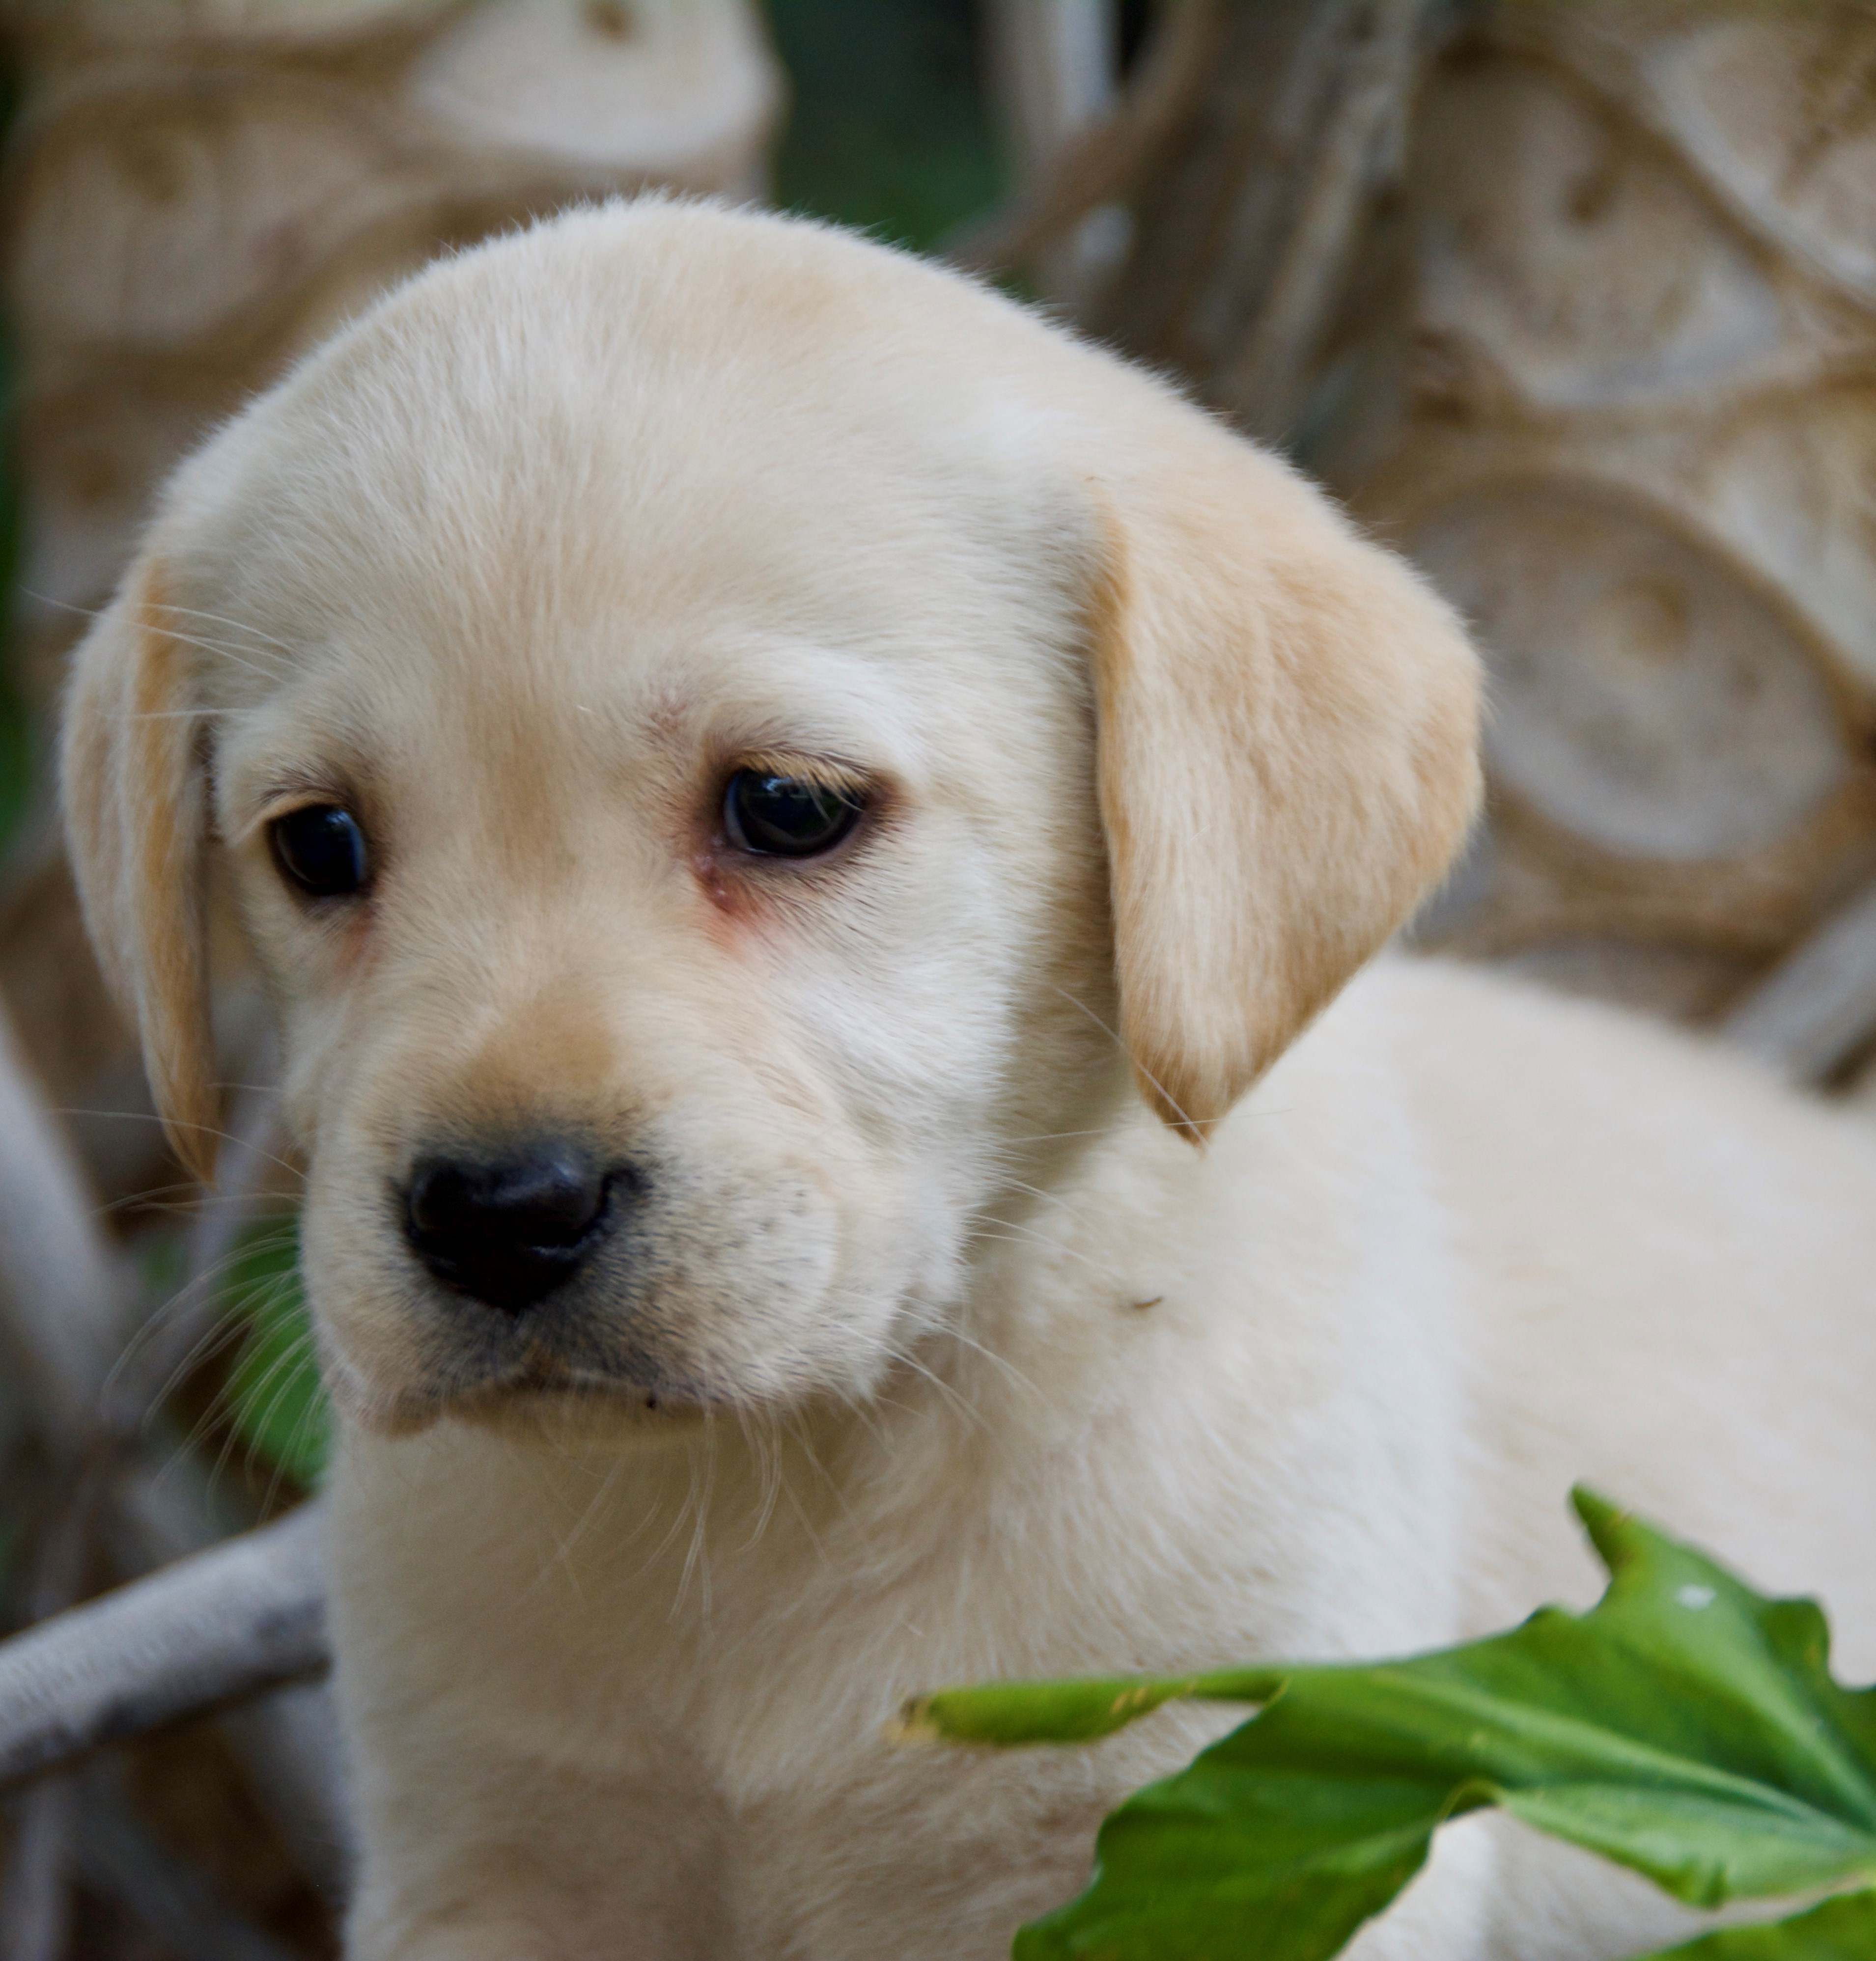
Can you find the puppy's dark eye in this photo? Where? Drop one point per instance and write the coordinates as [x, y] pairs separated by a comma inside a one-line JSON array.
[[786, 817], [321, 849]]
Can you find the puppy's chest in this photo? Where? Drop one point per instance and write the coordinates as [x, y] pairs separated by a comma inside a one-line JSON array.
[[775, 1670], [764, 1722], [765, 1687]]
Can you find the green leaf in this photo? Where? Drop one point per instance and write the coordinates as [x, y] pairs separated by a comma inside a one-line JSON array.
[[1843, 1929], [1685, 1727], [890, 130], [276, 1399], [1011, 1713]]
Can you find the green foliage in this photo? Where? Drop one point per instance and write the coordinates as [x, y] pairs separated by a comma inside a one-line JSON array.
[[887, 129], [1685, 1727], [1843, 1929], [275, 1400]]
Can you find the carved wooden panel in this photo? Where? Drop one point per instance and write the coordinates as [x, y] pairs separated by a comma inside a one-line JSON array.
[[198, 189], [1636, 442]]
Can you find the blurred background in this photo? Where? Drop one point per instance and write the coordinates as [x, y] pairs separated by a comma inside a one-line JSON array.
[[1575, 303]]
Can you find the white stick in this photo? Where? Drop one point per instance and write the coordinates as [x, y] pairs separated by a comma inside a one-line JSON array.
[[1817, 1007], [62, 1294], [247, 1616], [287, 1742]]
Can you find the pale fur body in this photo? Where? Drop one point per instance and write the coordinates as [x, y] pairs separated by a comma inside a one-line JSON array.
[[966, 1362]]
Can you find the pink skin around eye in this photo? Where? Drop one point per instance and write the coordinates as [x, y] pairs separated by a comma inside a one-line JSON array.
[[727, 895], [741, 901], [735, 909], [737, 905]]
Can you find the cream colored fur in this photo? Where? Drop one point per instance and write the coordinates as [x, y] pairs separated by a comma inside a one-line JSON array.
[[993, 1307]]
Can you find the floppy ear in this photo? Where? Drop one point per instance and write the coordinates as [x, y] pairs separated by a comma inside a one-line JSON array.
[[135, 816], [1287, 756]]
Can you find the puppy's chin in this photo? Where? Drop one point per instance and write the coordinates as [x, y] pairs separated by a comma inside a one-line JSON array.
[[585, 1415], [556, 1415]]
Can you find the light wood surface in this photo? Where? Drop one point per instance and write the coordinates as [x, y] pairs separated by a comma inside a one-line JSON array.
[[1574, 300]]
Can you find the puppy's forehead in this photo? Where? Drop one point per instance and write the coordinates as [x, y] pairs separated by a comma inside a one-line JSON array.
[[578, 436]]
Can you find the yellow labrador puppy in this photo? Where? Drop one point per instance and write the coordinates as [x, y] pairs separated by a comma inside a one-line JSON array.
[[799, 823]]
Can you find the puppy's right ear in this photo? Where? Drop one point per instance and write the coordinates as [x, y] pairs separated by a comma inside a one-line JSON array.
[[1286, 754], [133, 785]]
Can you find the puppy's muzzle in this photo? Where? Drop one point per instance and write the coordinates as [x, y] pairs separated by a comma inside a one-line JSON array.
[[509, 1232]]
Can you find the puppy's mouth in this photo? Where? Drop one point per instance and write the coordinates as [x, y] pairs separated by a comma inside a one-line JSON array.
[[542, 1393], [537, 1393], [559, 1406], [541, 1382]]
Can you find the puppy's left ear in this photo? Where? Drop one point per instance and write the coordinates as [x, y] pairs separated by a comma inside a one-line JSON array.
[[136, 813], [1287, 726]]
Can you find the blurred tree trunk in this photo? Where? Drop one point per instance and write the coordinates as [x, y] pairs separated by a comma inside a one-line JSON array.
[[1576, 302]]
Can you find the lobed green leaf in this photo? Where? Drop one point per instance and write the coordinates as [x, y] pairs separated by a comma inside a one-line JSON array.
[[1843, 1929], [1685, 1727]]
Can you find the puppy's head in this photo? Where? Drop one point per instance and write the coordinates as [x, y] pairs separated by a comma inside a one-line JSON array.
[[719, 737]]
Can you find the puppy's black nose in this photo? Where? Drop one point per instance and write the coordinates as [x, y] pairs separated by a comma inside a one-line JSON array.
[[509, 1232]]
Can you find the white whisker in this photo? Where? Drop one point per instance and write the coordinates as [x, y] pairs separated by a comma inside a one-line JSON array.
[[1171, 1102], [1029, 1233], [222, 619]]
